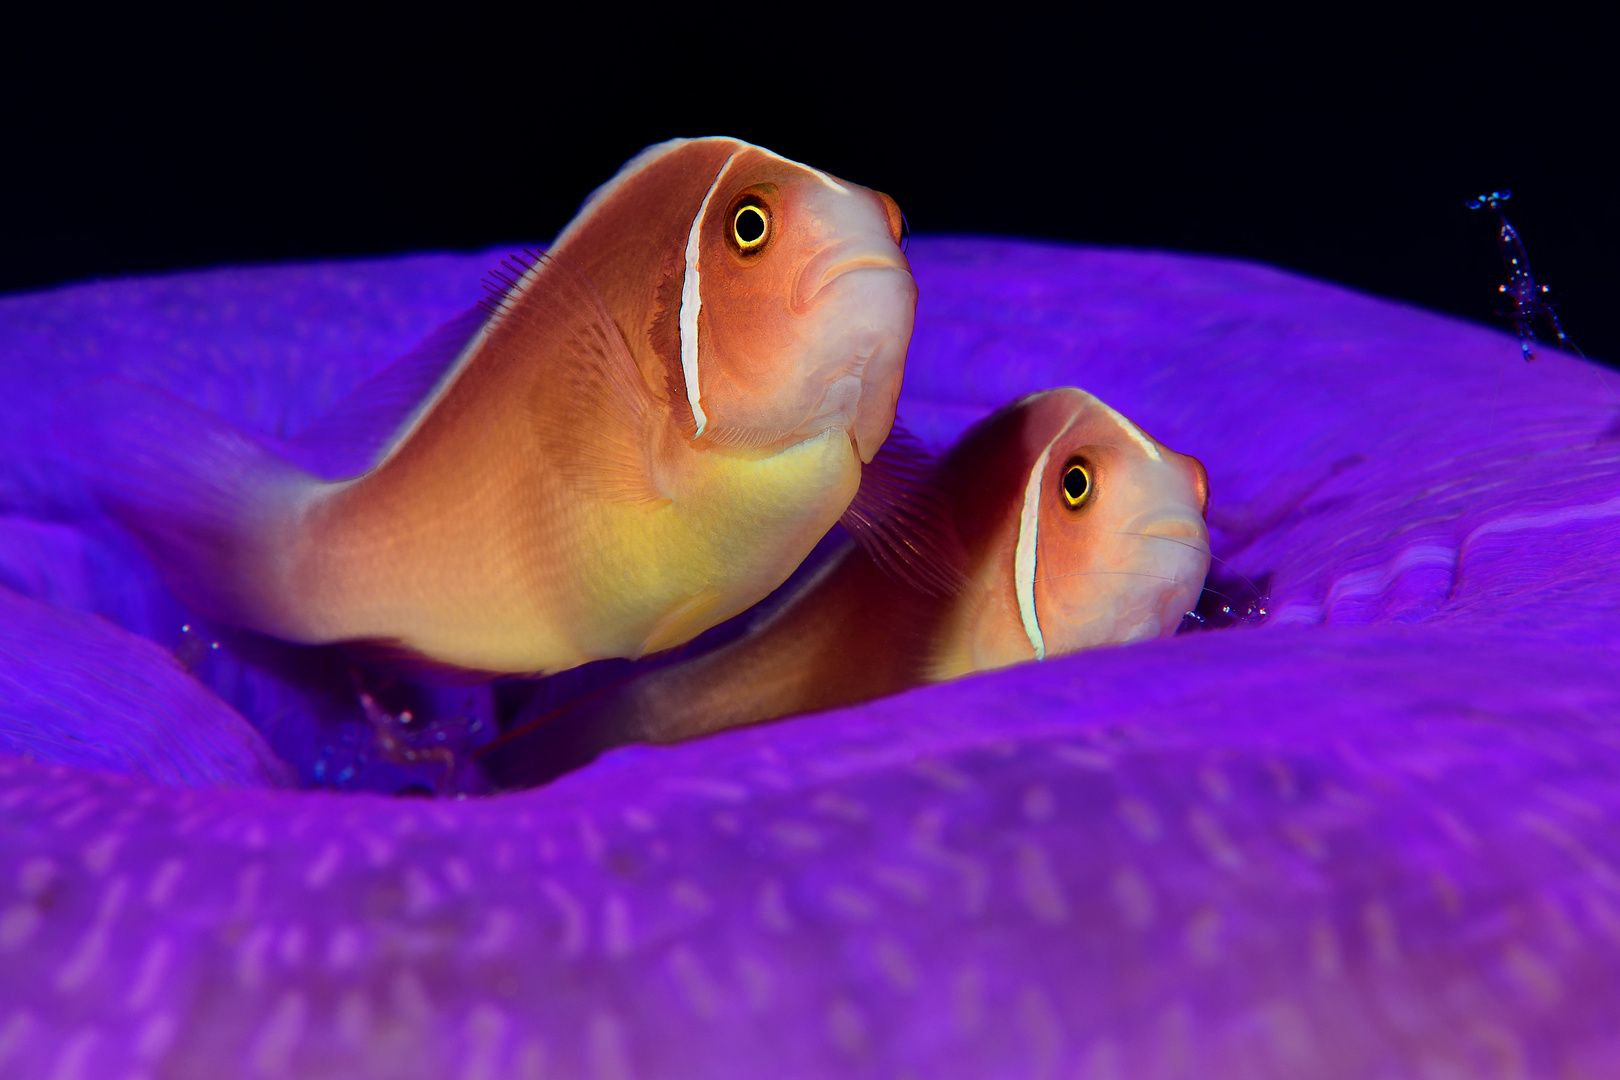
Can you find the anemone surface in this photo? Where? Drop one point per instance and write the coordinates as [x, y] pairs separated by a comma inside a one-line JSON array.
[[1370, 832]]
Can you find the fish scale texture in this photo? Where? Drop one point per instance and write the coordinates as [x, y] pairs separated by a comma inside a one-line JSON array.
[[1372, 835]]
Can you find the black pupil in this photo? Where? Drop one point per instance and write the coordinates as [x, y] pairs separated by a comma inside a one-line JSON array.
[[1075, 483], [750, 225]]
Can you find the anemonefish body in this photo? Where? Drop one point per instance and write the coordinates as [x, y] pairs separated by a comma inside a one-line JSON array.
[[1075, 529], [645, 433]]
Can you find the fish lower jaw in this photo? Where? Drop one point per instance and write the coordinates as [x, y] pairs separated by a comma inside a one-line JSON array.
[[842, 401], [854, 405]]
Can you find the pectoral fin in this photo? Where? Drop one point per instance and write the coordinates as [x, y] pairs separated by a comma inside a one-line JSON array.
[[594, 413], [683, 623], [903, 521]]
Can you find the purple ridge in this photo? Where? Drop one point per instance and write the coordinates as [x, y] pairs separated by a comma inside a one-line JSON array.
[[75, 690], [1372, 836]]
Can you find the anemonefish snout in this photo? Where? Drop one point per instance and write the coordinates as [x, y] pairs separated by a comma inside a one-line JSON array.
[[855, 286], [897, 220], [863, 284], [1181, 524], [1173, 527], [836, 260], [1200, 483]]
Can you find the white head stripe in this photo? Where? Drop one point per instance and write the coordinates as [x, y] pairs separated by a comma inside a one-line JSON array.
[[1029, 521], [1134, 432], [691, 303]]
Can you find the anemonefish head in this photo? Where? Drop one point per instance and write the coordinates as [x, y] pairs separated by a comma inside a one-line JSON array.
[[778, 299], [1082, 530], [1112, 544]]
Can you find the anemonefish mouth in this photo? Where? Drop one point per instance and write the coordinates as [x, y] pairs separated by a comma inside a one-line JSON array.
[[841, 259], [1174, 528]]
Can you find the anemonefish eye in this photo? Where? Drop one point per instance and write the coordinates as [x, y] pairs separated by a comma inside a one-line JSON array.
[[1076, 485], [750, 227]]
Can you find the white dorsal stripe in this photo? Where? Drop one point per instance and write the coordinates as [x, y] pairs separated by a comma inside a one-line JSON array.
[[823, 177], [691, 304], [1029, 521], [1133, 431], [652, 154]]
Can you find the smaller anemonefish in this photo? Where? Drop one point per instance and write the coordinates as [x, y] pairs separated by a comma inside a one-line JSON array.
[[1075, 529]]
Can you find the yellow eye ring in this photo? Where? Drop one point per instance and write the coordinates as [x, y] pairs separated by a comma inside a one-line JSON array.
[[750, 227], [1076, 485]]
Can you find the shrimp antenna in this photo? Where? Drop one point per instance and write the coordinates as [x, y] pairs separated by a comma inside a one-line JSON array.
[[1260, 597], [1490, 200]]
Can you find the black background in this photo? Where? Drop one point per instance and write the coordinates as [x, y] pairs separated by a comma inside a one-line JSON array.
[[1341, 144]]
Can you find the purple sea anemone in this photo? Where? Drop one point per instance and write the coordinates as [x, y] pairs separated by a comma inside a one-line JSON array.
[[1370, 834]]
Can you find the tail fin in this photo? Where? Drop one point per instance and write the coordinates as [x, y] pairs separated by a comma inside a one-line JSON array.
[[210, 504]]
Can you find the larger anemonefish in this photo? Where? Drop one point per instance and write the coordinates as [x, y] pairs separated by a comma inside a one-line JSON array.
[[645, 433], [1076, 529]]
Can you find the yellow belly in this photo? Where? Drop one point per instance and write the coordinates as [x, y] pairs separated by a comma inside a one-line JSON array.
[[516, 571]]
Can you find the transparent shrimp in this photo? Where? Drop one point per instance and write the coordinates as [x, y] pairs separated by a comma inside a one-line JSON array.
[[1529, 299]]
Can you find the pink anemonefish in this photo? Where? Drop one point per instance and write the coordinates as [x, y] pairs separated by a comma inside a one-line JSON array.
[[642, 434]]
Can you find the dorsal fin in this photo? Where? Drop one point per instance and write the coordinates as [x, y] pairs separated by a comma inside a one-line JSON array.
[[903, 521], [368, 423], [604, 451]]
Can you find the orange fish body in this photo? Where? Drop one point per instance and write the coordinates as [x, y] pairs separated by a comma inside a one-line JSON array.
[[1076, 530], [655, 423]]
